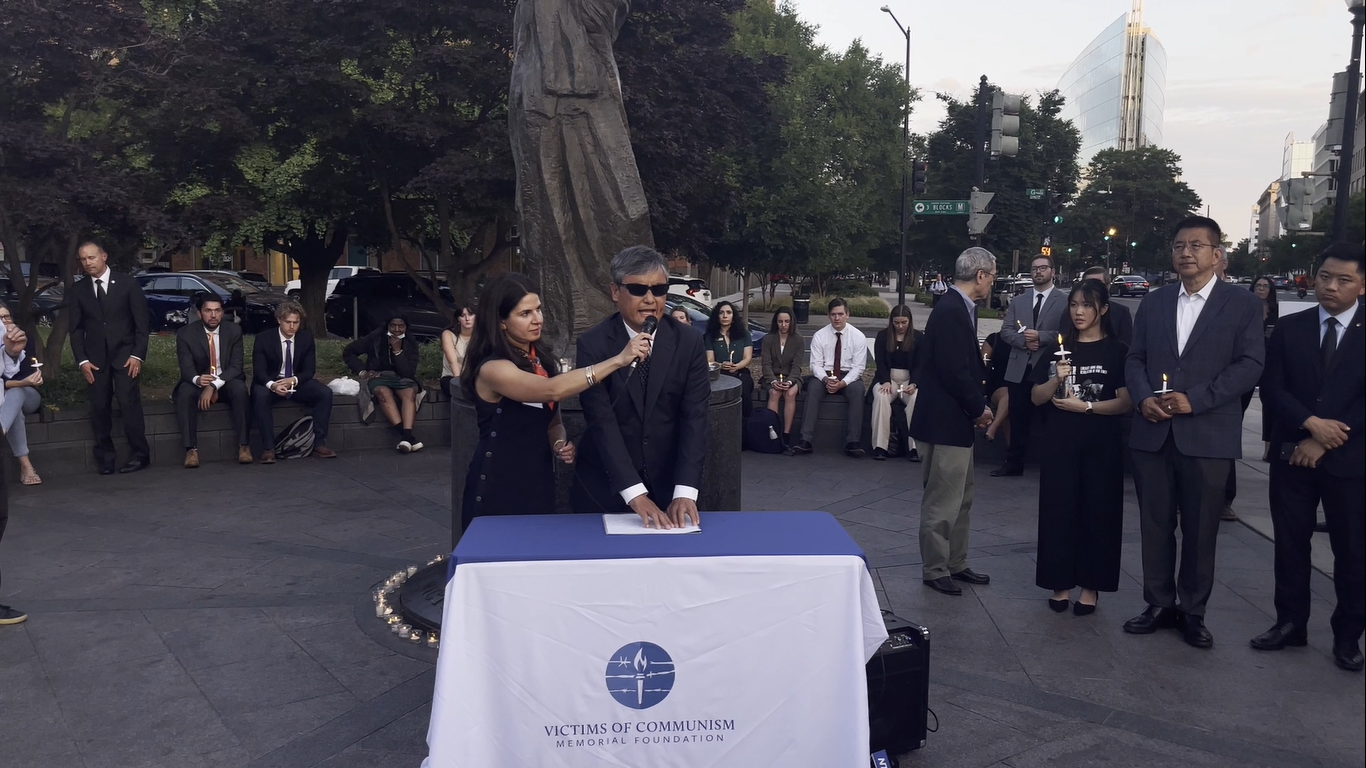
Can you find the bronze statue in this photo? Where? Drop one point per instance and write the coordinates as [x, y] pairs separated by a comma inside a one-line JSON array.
[[579, 194]]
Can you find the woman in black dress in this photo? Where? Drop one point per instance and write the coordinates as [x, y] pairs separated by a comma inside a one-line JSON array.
[[1081, 480], [895, 348], [514, 381], [996, 353]]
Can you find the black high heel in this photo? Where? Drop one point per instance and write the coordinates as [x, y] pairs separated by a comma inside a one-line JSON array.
[[1082, 609], [1058, 606]]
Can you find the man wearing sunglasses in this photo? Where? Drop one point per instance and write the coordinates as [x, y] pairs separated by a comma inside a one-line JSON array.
[[646, 439]]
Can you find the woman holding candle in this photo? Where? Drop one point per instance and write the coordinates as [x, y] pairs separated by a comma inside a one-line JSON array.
[[782, 353], [729, 344], [1081, 485], [21, 397], [895, 348], [514, 381], [996, 353]]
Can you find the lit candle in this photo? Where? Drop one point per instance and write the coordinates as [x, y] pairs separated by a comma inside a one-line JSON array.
[[1062, 351], [432, 641], [1020, 325], [1165, 389]]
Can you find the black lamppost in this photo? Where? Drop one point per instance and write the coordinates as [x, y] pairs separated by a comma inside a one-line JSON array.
[[1349, 122], [905, 158]]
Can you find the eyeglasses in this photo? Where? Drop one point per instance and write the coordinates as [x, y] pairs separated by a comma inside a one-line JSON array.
[[639, 289], [1192, 247], [1040, 269], [6, 317]]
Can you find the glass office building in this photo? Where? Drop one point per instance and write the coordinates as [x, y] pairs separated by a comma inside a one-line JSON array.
[[1114, 88]]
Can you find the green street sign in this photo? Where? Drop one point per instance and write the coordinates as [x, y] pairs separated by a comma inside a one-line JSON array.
[[940, 207], [1034, 194]]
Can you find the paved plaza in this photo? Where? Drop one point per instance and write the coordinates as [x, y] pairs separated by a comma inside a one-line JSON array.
[[220, 618]]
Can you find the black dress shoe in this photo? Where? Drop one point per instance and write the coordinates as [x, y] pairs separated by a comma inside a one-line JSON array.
[[1008, 470], [1280, 636], [853, 450], [972, 577], [943, 584], [913, 456], [1058, 606], [133, 466], [879, 454], [800, 447], [1347, 655], [1194, 633], [1153, 619], [107, 469]]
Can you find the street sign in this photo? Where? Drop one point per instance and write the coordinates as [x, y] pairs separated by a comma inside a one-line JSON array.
[[940, 207], [1034, 194]]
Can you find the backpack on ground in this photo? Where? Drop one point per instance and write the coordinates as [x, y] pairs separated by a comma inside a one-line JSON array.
[[763, 432], [296, 440]]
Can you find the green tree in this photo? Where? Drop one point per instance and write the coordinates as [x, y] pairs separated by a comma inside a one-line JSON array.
[[1241, 262], [1138, 193], [1356, 218]]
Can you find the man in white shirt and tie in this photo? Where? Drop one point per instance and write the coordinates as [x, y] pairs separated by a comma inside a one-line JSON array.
[[839, 355], [1030, 327], [283, 363], [209, 354]]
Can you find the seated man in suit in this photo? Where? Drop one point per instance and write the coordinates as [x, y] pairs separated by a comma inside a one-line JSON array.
[[839, 355], [1315, 385], [209, 353], [646, 439], [1201, 340], [282, 366]]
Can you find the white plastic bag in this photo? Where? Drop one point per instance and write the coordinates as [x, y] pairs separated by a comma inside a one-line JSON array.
[[345, 386]]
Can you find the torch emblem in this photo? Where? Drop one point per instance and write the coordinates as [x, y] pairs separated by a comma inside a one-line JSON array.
[[640, 675]]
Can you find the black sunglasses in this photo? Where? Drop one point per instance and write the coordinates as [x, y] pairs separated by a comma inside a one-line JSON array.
[[639, 290]]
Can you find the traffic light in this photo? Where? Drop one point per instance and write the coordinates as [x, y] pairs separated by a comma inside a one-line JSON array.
[[978, 218], [1055, 207], [1005, 124], [1133, 243], [919, 169], [1299, 208]]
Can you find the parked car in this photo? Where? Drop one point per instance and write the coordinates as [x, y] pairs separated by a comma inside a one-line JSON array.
[[377, 296], [46, 302], [699, 313], [692, 287], [256, 278], [1283, 283], [1129, 285], [1007, 288], [170, 299], [294, 287]]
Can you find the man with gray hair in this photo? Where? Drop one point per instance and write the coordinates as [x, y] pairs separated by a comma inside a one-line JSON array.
[[646, 439], [951, 378]]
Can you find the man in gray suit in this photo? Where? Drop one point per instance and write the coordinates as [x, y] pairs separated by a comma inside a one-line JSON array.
[[1202, 341], [1031, 329]]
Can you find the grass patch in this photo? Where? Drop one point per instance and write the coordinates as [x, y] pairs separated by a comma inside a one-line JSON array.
[[160, 371], [859, 306]]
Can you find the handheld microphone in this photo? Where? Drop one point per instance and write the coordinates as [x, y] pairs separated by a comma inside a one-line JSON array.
[[651, 323]]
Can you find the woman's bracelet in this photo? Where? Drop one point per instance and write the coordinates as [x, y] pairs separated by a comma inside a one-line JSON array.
[[589, 377]]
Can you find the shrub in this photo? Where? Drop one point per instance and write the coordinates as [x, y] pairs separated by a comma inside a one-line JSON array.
[[850, 289]]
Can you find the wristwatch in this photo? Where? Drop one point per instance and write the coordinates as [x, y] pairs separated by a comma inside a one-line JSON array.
[[1090, 407]]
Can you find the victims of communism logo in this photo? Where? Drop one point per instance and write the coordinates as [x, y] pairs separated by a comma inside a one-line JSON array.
[[640, 675]]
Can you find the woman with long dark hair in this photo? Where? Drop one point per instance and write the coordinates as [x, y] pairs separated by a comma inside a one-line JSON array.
[[514, 381], [729, 345], [455, 343], [782, 355], [895, 349], [1081, 479]]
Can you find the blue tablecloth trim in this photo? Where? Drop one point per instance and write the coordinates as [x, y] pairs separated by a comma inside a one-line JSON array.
[[512, 538]]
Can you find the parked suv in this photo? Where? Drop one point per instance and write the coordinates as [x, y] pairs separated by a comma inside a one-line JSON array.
[[692, 287], [294, 287], [170, 297], [377, 296], [1129, 285]]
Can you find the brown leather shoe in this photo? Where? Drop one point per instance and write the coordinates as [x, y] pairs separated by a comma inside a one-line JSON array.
[[323, 452], [192, 458], [268, 457], [244, 454]]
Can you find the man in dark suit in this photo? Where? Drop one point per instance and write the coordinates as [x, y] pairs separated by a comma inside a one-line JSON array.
[[1315, 386], [283, 362], [1202, 340], [951, 378], [646, 439], [209, 353], [1121, 319], [1030, 328], [109, 342]]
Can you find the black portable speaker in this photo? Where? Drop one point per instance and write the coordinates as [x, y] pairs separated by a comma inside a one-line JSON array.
[[899, 687]]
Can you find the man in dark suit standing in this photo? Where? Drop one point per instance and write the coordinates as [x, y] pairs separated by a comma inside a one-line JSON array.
[[1315, 386], [951, 376], [283, 363], [109, 342], [1201, 340], [209, 354], [1030, 328], [646, 440]]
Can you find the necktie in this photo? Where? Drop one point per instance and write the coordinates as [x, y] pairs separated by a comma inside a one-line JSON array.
[[289, 358], [1038, 304], [839, 356], [99, 289], [213, 357], [644, 367], [1330, 343]]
